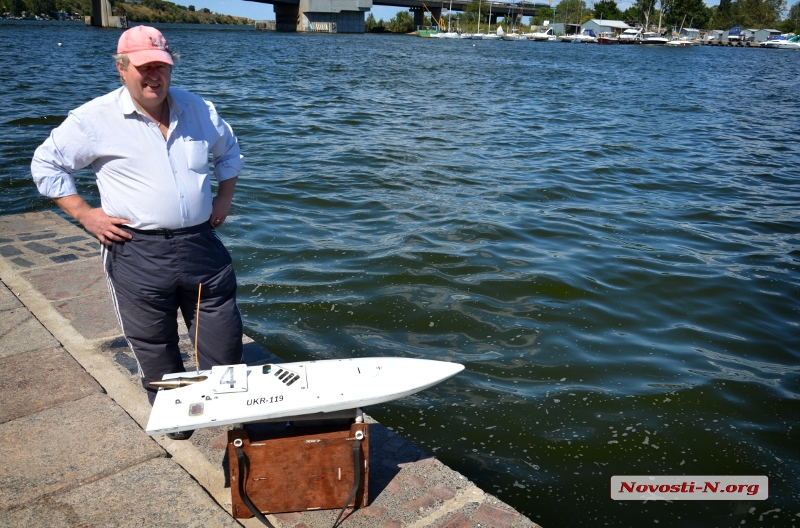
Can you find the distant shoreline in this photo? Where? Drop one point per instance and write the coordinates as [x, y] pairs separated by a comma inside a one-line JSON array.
[[131, 22]]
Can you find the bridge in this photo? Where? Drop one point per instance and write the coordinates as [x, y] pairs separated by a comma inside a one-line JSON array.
[[347, 16], [342, 16]]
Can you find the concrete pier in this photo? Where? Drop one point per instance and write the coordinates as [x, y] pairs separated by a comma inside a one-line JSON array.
[[102, 17], [329, 16], [72, 416]]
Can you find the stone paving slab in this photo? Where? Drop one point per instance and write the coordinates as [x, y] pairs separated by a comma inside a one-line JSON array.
[[75, 279], [68, 445], [21, 332], [155, 493], [93, 316], [26, 375], [8, 301], [34, 240]]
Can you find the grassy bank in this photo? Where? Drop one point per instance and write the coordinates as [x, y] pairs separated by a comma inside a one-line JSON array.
[[146, 11]]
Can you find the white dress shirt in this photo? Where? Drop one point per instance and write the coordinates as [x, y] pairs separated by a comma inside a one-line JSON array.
[[153, 182]]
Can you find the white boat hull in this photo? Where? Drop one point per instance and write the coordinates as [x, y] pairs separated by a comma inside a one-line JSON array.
[[783, 45], [236, 394]]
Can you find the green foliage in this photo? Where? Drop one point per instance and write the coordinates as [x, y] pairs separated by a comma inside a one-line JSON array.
[[402, 22], [790, 25], [794, 12], [15, 7], [155, 5], [690, 13], [42, 7], [148, 11], [758, 14], [570, 11], [544, 13], [722, 15], [633, 13], [607, 10], [370, 23], [475, 9], [750, 14]]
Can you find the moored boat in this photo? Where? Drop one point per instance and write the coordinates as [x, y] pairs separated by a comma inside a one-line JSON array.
[[489, 35], [607, 38], [651, 38], [541, 36], [586, 36], [681, 42], [781, 42], [629, 36]]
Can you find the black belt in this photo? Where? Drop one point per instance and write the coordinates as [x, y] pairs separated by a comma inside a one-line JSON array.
[[169, 233]]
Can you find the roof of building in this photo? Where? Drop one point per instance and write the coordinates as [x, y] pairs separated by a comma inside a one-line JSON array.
[[619, 24]]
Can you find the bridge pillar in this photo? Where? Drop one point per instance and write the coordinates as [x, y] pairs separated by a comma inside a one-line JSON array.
[[287, 17], [419, 16], [436, 14], [102, 17]]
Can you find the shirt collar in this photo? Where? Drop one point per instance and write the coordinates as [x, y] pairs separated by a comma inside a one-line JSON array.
[[127, 106]]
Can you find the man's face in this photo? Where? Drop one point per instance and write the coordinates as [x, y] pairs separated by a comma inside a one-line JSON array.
[[148, 84]]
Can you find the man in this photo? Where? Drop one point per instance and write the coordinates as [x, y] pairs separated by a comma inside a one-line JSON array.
[[148, 145]]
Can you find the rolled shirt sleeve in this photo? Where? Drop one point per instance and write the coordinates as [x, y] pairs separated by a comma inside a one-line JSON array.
[[68, 148], [227, 158]]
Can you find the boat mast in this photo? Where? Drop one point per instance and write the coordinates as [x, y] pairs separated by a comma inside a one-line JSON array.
[[479, 17], [451, 9]]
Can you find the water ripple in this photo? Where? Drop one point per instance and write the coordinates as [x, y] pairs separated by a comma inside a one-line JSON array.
[[606, 236]]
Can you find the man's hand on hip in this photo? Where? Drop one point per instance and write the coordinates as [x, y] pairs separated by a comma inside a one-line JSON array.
[[95, 220], [221, 204]]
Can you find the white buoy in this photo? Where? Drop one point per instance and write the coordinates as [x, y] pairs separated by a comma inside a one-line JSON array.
[[59, 44]]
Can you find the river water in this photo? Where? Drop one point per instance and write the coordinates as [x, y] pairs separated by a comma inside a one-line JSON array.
[[606, 236]]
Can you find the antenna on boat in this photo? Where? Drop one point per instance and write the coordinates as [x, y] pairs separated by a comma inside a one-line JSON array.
[[197, 328]]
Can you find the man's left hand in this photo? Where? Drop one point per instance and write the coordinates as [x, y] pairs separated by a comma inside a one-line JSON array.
[[220, 207], [221, 204]]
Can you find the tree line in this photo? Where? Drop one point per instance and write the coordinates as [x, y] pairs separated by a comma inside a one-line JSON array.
[[147, 11], [402, 22], [749, 14]]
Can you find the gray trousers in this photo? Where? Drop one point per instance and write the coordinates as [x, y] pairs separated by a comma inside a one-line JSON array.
[[157, 272]]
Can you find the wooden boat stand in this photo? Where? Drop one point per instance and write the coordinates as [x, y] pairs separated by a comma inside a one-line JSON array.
[[314, 462]]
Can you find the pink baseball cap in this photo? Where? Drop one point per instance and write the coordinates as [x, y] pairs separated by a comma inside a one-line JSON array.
[[143, 44]]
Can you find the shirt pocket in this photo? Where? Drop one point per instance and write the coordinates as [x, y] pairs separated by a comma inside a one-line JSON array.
[[196, 155]]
